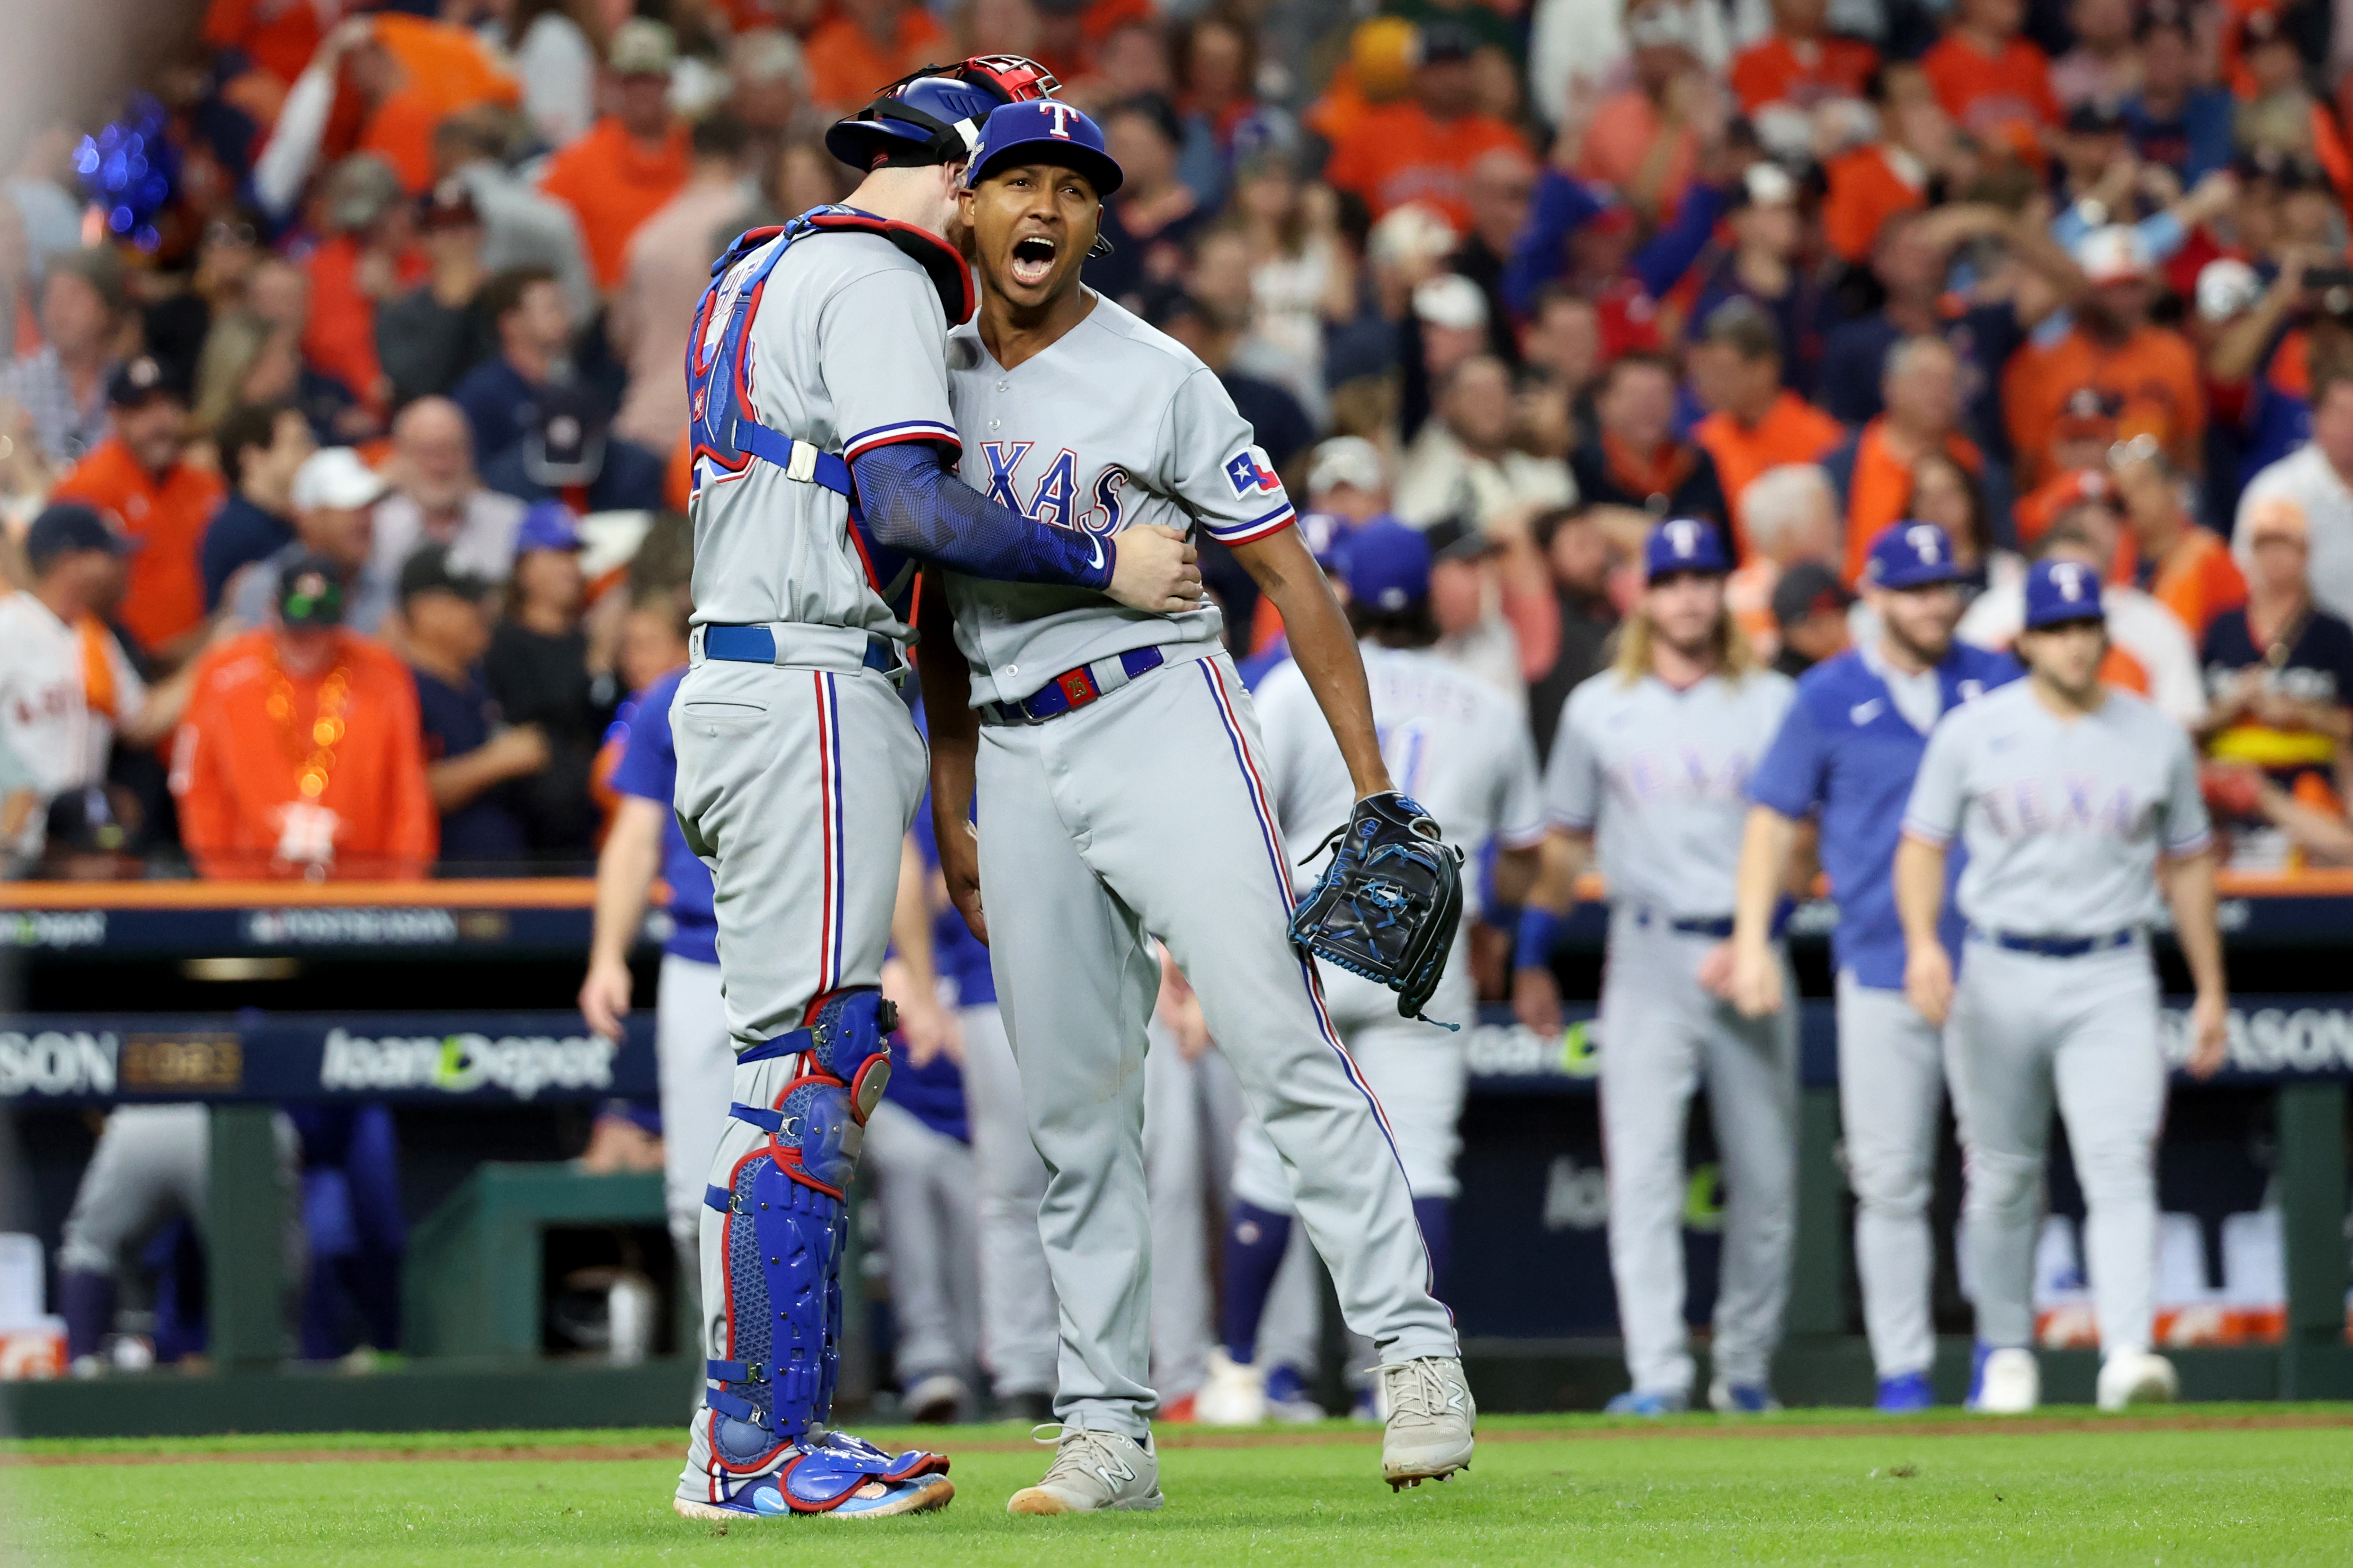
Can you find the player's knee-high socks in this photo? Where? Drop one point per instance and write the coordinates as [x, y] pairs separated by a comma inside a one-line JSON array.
[[1255, 1241]]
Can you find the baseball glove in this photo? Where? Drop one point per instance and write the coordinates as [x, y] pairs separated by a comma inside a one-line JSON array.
[[1386, 906]]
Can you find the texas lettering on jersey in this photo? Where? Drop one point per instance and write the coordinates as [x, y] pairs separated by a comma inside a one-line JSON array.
[[1053, 495]]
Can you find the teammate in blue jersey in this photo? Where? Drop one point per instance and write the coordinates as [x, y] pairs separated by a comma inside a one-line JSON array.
[[1845, 758]]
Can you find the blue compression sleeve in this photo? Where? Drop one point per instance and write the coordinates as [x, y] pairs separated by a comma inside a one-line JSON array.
[[1663, 262], [911, 502], [1562, 204]]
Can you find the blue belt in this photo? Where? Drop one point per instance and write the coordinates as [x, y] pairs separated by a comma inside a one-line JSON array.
[[2056, 946], [1072, 688], [1717, 926], [757, 645]]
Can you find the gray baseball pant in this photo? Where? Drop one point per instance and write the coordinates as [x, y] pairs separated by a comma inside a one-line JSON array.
[[1891, 1083], [1662, 1034], [1018, 1341], [925, 1182], [153, 1163], [1143, 815], [696, 1059], [2027, 1030]]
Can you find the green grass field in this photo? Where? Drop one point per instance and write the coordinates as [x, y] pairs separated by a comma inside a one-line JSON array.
[[2207, 1485]]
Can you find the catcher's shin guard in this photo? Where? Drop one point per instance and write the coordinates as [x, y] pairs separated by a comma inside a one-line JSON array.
[[782, 1226]]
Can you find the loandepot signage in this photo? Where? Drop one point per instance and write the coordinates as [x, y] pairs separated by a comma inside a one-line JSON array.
[[522, 1065]]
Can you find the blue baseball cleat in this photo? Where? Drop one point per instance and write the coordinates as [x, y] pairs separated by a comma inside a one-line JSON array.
[[1650, 1404], [1903, 1394], [1741, 1398]]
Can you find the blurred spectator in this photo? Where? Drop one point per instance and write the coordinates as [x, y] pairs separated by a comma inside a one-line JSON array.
[[2277, 110], [538, 670], [429, 337], [632, 160], [369, 256], [1800, 63], [2150, 370], [2149, 650], [1448, 321], [1809, 617], [61, 384], [862, 47], [1793, 520], [332, 494], [1561, 352], [501, 395], [1644, 141], [1281, 425], [520, 226], [554, 45], [669, 266], [2176, 119], [2188, 569], [299, 756], [2279, 674], [1575, 46], [1766, 265], [1580, 234], [1635, 459], [1873, 468], [438, 498], [1883, 173], [141, 474], [260, 444], [1499, 191], [1578, 554], [1755, 422], [1421, 148], [2103, 68], [1151, 219], [1994, 84], [768, 79], [1215, 61], [1945, 491], [1466, 600], [472, 760], [1463, 465], [2316, 479], [68, 690], [1302, 274], [45, 191]]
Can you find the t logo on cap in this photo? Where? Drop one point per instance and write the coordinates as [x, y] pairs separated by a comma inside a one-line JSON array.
[[1060, 113], [2068, 578], [1928, 541], [1682, 537]]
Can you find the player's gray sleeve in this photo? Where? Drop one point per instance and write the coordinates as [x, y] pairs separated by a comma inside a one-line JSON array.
[[883, 347], [1572, 781], [1940, 794], [1213, 464], [2188, 829]]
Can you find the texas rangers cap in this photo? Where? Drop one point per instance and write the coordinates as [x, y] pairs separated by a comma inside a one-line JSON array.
[[1685, 544], [1910, 555], [1045, 129], [1388, 566], [310, 593], [2058, 592], [70, 528]]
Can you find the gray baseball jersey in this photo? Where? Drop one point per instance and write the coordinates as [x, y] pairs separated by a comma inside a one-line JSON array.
[[1113, 425], [847, 351], [1661, 778], [2064, 819]]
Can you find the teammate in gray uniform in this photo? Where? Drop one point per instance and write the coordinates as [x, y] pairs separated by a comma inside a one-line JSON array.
[[817, 370], [2078, 806], [1457, 745], [1123, 797], [1649, 775]]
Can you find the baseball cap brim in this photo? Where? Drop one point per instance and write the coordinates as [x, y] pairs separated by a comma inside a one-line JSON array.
[[1103, 173]]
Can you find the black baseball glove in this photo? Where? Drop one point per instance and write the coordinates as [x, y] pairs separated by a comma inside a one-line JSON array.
[[1387, 904]]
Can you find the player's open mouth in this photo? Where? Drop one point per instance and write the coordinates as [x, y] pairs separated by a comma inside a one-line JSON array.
[[1033, 260]]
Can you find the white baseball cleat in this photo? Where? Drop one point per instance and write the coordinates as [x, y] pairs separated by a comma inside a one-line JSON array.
[[1095, 1472], [1235, 1395], [2010, 1383], [2131, 1375], [1431, 1423]]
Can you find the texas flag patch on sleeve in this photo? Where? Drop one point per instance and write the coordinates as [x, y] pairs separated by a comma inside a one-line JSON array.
[[1251, 473]]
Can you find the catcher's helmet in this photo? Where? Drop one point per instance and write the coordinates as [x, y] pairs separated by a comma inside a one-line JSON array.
[[933, 115]]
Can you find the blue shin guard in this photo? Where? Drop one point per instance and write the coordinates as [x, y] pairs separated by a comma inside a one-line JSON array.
[[784, 1228]]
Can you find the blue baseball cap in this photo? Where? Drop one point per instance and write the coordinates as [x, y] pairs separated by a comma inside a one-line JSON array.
[[1685, 544], [1910, 555], [2058, 592], [70, 528], [1387, 566], [1045, 130], [548, 525]]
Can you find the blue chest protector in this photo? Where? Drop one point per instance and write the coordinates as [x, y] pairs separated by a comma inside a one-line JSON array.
[[723, 428]]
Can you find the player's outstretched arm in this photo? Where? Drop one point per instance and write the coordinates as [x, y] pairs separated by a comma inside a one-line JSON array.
[[912, 503], [1323, 648], [1764, 847], [1919, 904], [2189, 889], [954, 732]]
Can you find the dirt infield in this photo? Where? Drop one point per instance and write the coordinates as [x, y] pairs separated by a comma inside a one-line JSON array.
[[1179, 1437]]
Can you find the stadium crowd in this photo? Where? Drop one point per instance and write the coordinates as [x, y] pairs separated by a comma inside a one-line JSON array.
[[345, 486]]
